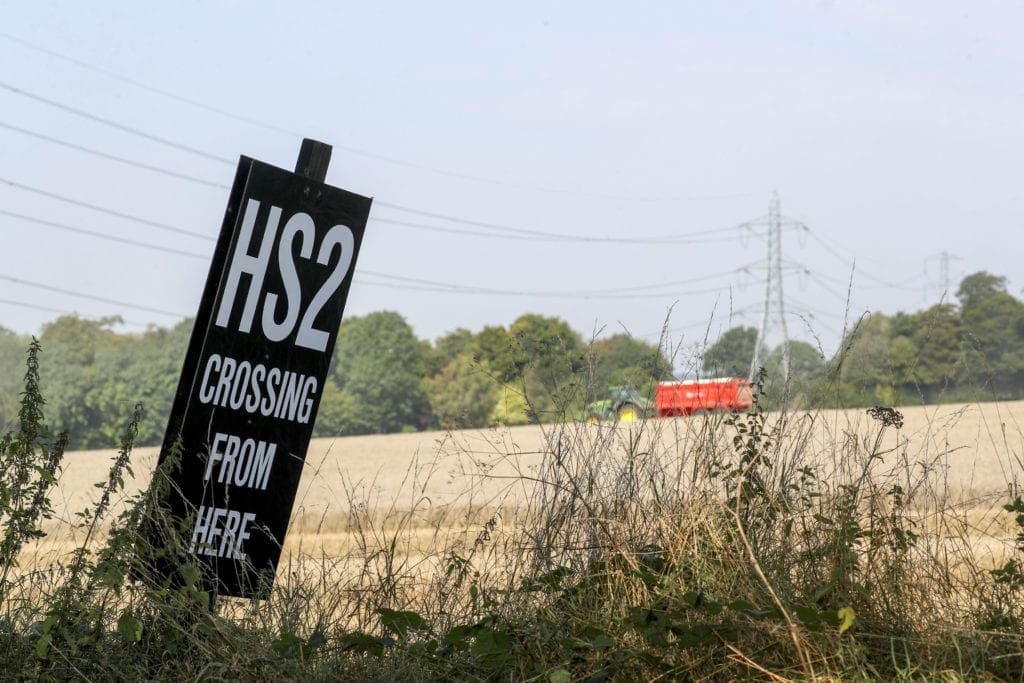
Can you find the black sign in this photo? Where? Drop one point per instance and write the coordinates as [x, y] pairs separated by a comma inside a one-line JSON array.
[[255, 368]]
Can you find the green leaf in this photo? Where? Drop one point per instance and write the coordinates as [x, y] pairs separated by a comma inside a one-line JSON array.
[[741, 606], [130, 628], [559, 676], [43, 645], [847, 617], [401, 622], [458, 637], [288, 646], [190, 573], [317, 640], [364, 643], [493, 648], [813, 618]]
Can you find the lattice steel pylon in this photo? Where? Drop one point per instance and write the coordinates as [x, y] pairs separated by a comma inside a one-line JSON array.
[[774, 302]]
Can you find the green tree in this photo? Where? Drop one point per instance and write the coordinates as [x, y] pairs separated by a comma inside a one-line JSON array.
[[936, 336], [145, 370], [622, 360], [495, 346], [80, 339], [71, 379], [547, 345], [338, 412], [463, 394], [861, 372], [510, 409], [378, 368], [806, 367], [12, 370], [979, 286], [993, 333], [550, 358], [732, 354], [447, 348]]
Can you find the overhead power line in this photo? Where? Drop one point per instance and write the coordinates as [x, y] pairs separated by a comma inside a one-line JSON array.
[[823, 282], [102, 235], [415, 284], [497, 182], [82, 295], [714, 319], [570, 293], [112, 157], [852, 262], [667, 238], [530, 236], [712, 235], [105, 210], [114, 124], [807, 308], [709, 236], [617, 292], [45, 309], [61, 311]]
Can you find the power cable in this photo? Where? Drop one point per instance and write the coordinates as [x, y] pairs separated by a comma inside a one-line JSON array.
[[113, 157], [816, 311], [852, 263], [667, 238], [101, 235], [434, 285], [672, 238], [114, 124], [361, 152], [61, 311], [447, 288], [902, 285], [105, 210], [736, 312], [46, 309], [824, 284], [538, 236], [593, 293], [554, 237], [37, 285], [801, 222]]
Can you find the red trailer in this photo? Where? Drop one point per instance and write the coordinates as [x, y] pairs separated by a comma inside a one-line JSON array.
[[729, 394]]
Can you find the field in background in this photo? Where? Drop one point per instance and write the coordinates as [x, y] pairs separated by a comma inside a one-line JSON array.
[[832, 544], [439, 486]]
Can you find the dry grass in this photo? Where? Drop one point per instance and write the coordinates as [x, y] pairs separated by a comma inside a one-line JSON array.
[[439, 486], [560, 532]]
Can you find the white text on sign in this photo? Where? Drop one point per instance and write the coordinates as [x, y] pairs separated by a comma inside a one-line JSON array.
[[255, 388], [242, 462], [220, 532], [299, 228]]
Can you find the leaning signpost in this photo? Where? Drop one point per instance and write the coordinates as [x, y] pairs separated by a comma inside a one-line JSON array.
[[254, 371]]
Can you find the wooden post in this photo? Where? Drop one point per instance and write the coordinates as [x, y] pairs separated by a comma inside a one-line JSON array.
[[314, 158]]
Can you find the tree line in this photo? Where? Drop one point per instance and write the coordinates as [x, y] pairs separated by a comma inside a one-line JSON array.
[[383, 378]]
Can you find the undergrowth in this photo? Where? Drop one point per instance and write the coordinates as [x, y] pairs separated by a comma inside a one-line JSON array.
[[712, 548]]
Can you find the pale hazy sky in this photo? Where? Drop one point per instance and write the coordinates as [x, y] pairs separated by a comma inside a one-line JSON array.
[[893, 130]]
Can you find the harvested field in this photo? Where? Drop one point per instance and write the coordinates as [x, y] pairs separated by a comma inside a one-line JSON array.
[[437, 488]]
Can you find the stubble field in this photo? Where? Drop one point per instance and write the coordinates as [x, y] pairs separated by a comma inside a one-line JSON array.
[[799, 546], [426, 491]]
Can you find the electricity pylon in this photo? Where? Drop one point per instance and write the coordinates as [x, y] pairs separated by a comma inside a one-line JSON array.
[[774, 313]]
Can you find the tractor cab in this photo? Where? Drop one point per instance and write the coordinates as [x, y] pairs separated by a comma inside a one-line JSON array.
[[624, 404]]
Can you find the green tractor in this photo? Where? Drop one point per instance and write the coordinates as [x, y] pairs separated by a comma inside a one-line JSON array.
[[624, 404]]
